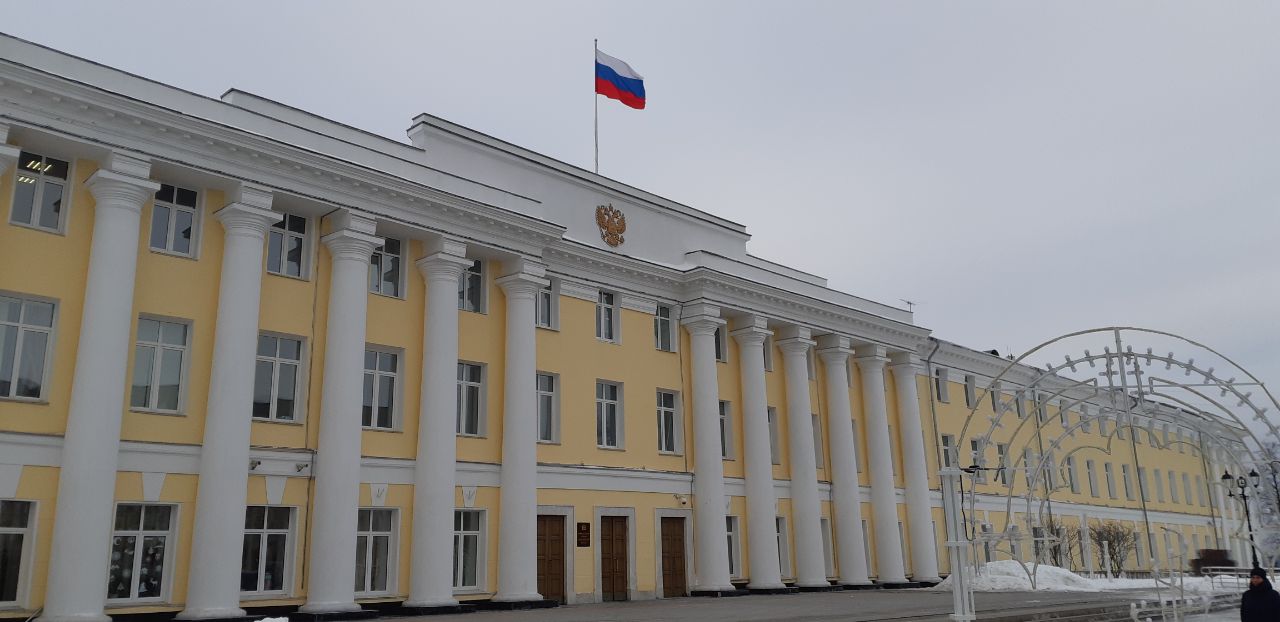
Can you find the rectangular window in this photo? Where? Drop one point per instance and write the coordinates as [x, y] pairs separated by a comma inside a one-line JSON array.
[[1029, 464], [375, 534], [817, 443], [381, 380], [548, 408], [866, 543], [940, 384], [547, 314], [174, 220], [1128, 481], [470, 420], [810, 364], [732, 538], [15, 537], [1073, 477], [768, 353], [1019, 406], [970, 390], [827, 557], [286, 244], [1111, 479], [994, 392], [775, 454], [159, 365], [1091, 471], [726, 431], [384, 269], [662, 335], [857, 448], [1002, 463], [1173, 487], [668, 423], [784, 549], [468, 530], [139, 543], [275, 378], [1159, 485], [722, 349], [471, 288], [608, 415], [1062, 413], [976, 458], [26, 334], [1084, 419], [1186, 489], [1145, 483], [264, 560], [1200, 496], [607, 316], [38, 195], [948, 450]]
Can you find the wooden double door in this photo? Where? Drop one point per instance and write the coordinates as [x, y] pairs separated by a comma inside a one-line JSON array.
[[551, 546], [614, 566], [673, 572]]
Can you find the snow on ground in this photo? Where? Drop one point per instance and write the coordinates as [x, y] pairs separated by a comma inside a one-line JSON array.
[[1010, 576], [274, 620]]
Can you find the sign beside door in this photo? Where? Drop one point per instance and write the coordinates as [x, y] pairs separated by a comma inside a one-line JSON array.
[[584, 535]]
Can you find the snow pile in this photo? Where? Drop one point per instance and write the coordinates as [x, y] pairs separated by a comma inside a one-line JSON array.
[[274, 620], [1011, 576]]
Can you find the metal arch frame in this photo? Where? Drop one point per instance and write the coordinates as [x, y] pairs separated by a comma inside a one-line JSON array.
[[1124, 404]]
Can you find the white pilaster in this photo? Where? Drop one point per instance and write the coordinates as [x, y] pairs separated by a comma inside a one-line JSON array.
[[77, 586], [844, 462], [337, 470], [762, 541], [711, 558], [8, 153], [431, 564], [806, 508], [924, 548], [884, 507], [213, 586], [518, 516]]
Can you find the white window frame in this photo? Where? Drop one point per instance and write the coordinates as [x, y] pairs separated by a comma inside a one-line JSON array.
[[673, 446], [1091, 471], [397, 388], [379, 257], [469, 273], [940, 385], [481, 549], [289, 549], [970, 390], [603, 411], [281, 230], [481, 407], [725, 409], [608, 328], [1002, 463], [393, 546], [978, 458], [664, 328], [1159, 487], [1127, 475], [299, 409], [819, 455], [548, 300], [1073, 476], [722, 345], [948, 450], [194, 211], [784, 546], [1200, 494], [1186, 489], [1145, 483], [22, 327], [733, 540], [775, 444], [1173, 487], [552, 398], [1111, 480], [170, 546], [768, 353], [40, 180], [1019, 406], [24, 556], [157, 357]]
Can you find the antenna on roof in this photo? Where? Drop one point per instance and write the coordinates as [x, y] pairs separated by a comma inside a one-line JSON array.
[[911, 304]]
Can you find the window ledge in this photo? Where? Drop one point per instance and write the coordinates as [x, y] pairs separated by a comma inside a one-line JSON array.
[[366, 428], [391, 296], [153, 411], [469, 591], [276, 421], [554, 329], [42, 401], [670, 453], [304, 279], [612, 342], [548, 442], [603, 448], [255, 596], [461, 435], [40, 229], [168, 253]]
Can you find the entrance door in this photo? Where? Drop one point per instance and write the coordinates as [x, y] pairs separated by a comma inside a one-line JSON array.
[[551, 557], [673, 581], [613, 558]]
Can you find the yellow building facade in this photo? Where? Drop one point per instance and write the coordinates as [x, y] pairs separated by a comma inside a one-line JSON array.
[[237, 339]]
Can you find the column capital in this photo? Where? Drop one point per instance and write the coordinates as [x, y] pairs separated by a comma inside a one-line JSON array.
[[526, 279], [794, 345], [904, 362], [247, 219], [834, 348], [870, 356], [122, 181], [752, 331], [8, 153], [701, 318]]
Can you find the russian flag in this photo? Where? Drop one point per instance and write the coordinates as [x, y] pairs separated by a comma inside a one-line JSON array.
[[617, 80]]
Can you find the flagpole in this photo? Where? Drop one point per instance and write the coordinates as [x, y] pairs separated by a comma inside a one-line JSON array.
[[595, 44]]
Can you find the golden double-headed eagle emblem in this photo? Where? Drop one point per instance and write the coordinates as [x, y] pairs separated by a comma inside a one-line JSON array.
[[612, 224]]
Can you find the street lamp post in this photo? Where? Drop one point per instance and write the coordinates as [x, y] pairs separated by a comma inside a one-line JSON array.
[[1243, 485]]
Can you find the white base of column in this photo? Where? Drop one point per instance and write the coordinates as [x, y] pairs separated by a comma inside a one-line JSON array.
[[813, 584], [448, 602], [713, 588], [766, 586], [76, 617], [517, 598], [328, 607], [210, 614], [926, 579]]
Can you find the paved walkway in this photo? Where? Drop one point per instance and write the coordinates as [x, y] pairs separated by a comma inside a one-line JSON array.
[[861, 606]]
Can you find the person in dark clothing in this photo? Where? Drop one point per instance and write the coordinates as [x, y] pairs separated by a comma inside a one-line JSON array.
[[1260, 603]]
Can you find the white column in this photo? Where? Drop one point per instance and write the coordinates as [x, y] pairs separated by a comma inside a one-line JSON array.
[[711, 555], [924, 545], [332, 566], [806, 508], [77, 587], [518, 515], [431, 564], [844, 462], [762, 540], [213, 586], [884, 506]]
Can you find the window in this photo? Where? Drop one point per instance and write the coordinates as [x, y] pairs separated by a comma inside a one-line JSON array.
[[1062, 413], [15, 537], [856, 447], [1173, 487], [668, 423], [970, 390], [285, 246], [1029, 464], [384, 269], [662, 335], [1073, 478], [722, 349], [158, 365], [138, 546], [827, 557], [548, 409], [775, 455], [1050, 471], [1182, 448], [978, 459], [784, 551], [1128, 481], [1159, 484], [26, 332], [374, 534], [726, 431], [1111, 480], [817, 443], [1002, 463], [732, 538], [768, 353], [264, 562], [1165, 434], [470, 399], [608, 415], [1145, 483], [1084, 419], [174, 220], [381, 375], [1140, 554], [1018, 406], [810, 364], [471, 288], [940, 384], [1091, 472], [468, 525], [866, 544], [1200, 491], [607, 316], [994, 392], [948, 450], [275, 380], [37, 197], [1186, 489], [547, 312]]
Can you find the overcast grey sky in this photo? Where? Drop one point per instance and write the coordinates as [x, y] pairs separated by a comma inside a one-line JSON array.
[[1023, 169]]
